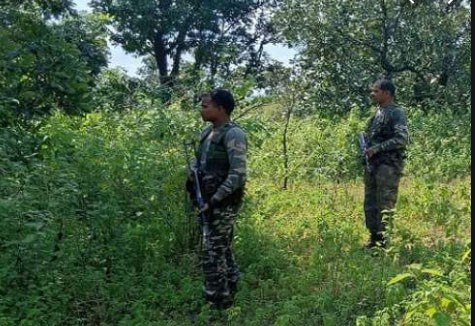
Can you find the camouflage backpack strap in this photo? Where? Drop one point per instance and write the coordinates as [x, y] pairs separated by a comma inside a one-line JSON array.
[[205, 134], [226, 128]]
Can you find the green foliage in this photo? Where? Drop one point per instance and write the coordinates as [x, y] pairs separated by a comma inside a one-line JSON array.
[[447, 150], [96, 228], [439, 299], [345, 45], [46, 66], [115, 91], [48, 8], [90, 212], [88, 33], [217, 33], [327, 148]]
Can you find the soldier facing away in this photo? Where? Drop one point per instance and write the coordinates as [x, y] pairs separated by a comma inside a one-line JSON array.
[[221, 163], [387, 134]]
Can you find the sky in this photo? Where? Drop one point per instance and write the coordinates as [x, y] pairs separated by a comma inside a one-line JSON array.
[[131, 63]]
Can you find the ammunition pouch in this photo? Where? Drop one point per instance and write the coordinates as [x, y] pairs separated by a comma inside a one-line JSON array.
[[211, 183], [393, 158]]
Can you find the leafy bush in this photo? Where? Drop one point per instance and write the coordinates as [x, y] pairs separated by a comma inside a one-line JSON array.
[[96, 228]]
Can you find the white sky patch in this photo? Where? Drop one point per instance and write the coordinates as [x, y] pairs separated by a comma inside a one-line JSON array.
[[82, 5], [131, 63]]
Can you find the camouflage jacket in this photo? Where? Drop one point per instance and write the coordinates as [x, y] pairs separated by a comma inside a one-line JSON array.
[[221, 161], [388, 133]]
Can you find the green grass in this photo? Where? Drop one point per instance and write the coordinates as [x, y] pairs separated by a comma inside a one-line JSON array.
[[96, 228]]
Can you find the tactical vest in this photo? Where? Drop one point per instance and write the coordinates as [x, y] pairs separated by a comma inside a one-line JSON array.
[[380, 132], [217, 166]]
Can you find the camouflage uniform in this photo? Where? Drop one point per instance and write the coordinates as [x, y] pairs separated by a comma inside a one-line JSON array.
[[222, 166], [388, 135]]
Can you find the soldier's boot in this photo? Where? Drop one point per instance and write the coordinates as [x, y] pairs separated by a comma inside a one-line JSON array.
[[372, 241], [219, 300], [225, 303], [220, 303]]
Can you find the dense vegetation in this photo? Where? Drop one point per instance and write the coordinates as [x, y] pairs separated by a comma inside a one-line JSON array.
[[95, 226]]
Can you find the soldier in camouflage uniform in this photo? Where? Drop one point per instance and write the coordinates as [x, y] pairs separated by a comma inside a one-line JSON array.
[[221, 162], [387, 139]]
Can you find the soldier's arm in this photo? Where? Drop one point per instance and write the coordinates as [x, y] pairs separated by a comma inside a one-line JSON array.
[[401, 134], [236, 146]]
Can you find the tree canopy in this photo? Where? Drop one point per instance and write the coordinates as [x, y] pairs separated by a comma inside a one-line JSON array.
[[216, 33], [52, 56], [423, 45], [48, 62]]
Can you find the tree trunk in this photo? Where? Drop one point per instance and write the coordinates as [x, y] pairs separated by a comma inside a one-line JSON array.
[[288, 115], [160, 54]]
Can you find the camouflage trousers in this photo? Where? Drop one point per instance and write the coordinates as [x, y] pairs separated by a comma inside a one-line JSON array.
[[381, 191], [219, 266]]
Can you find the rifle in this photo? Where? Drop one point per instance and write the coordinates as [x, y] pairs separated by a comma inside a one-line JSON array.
[[203, 219], [363, 147]]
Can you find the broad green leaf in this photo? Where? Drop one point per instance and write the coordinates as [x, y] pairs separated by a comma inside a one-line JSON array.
[[415, 266], [29, 239], [442, 319], [399, 278], [433, 272], [431, 311], [467, 255], [447, 304]]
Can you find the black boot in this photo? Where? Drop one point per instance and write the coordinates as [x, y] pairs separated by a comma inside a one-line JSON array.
[[372, 241], [219, 302]]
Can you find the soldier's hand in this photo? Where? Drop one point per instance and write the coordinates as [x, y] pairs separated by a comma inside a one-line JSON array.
[[370, 152], [205, 208]]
